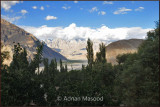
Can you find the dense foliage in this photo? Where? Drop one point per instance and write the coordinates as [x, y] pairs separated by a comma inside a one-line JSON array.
[[134, 81]]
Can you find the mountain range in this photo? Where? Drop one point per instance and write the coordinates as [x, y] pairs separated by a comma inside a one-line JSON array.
[[61, 48], [76, 49], [12, 34], [72, 49]]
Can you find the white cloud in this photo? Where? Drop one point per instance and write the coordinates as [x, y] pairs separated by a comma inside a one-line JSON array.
[[139, 9], [34, 7], [50, 17], [93, 9], [24, 12], [122, 10], [66, 7], [42, 8], [11, 19], [75, 1], [102, 13], [107, 2], [6, 5], [74, 32]]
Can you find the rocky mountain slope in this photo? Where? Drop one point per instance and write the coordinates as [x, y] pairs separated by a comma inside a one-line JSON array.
[[76, 49], [11, 34], [121, 47], [72, 49]]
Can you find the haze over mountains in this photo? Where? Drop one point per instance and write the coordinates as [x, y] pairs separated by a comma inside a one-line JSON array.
[[11, 34], [72, 49]]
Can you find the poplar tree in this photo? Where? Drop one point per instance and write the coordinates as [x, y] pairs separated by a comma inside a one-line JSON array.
[[101, 56], [90, 54]]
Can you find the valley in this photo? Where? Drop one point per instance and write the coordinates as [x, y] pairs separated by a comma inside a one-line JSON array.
[[71, 64], [72, 52], [79, 53]]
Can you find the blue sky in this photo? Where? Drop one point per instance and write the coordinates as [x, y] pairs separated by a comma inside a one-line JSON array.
[[79, 13], [92, 14]]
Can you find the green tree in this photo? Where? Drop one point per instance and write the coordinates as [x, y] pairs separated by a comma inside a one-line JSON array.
[[17, 78], [37, 58], [139, 81], [66, 68], [46, 67], [122, 58], [4, 78], [62, 69], [101, 56], [90, 53]]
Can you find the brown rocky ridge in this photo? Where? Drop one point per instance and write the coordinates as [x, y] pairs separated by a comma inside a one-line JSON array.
[[121, 47], [12, 34]]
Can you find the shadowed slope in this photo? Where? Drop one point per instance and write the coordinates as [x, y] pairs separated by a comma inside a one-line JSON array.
[[11, 34]]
